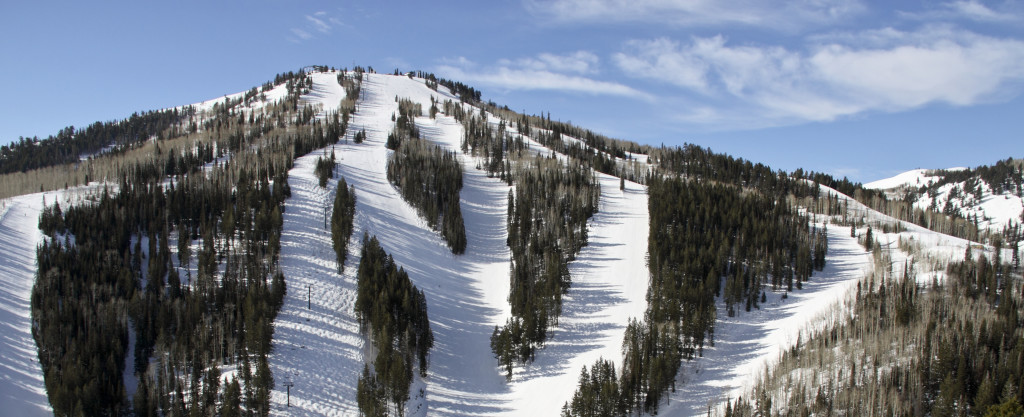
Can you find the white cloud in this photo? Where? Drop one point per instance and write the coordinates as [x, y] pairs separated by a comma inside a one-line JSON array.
[[302, 34], [889, 71], [1007, 12], [319, 22], [974, 10], [654, 59], [785, 15], [543, 72], [461, 62], [581, 62]]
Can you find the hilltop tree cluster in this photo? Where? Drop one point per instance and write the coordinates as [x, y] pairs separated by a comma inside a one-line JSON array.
[[495, 148], [405, 124], [70, 144]]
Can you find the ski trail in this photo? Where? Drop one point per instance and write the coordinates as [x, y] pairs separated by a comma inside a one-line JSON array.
[[463, 377], [751, 341], [22, 391], [317, 346], [467, 295], [609, 286], [324, 356]]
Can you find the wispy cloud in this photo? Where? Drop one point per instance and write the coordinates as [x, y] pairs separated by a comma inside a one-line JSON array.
[[1007, 12], [320, 22], [887, 70], [543, 72], [580, 62], [317, 21], [785, 15], [302, 34]]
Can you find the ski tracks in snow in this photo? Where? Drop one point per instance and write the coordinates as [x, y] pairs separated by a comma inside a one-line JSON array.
[[22, 392]]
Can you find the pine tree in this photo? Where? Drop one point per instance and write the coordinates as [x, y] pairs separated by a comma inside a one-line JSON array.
[[231, 403]]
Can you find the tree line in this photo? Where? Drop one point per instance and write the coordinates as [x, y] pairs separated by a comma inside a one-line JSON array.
[[495, 148], [707, 240], [427, 177], [70, 144], [547, 226], [394, 314], [186, 325]]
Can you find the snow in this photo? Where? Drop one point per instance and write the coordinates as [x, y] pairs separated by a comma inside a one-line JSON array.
[[326, 92], [279, 91], [317, 342], [318, 349], [22, 391], [913, 178], [999, 210], [466, 294], [747, 343], [609, 286], [994, 211]]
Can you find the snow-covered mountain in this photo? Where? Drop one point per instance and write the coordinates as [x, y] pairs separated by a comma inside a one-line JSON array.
[[318, 348], [991, 196]]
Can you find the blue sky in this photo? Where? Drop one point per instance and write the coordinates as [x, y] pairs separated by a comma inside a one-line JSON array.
[[848, 87]]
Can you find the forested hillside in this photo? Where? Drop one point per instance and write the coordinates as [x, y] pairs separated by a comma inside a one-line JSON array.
[[214, 269], [940, 348], [178, 325]]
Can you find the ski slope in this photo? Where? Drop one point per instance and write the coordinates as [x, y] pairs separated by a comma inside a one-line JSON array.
[[22, 391], [21, 379], [750, 341], [320, 350]]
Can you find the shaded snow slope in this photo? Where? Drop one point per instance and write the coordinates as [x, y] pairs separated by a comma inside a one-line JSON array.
[[22, 392], [21, 379], [747, 343], [463, 379]]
